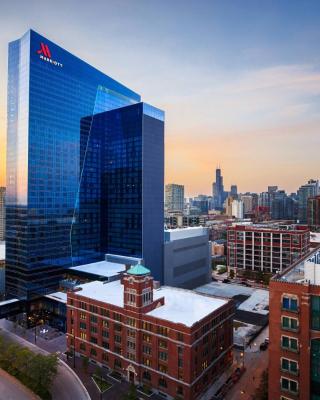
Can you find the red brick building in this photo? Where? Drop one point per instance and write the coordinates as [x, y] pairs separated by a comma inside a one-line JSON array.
[[173, 340], [294, 318], [266, 248]]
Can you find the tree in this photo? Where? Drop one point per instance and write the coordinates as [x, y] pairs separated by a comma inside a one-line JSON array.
[[132, 393], [231, 274], [261, 392], [85, 364]]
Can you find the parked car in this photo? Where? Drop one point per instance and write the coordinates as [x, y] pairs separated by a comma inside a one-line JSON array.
[[263, 346]]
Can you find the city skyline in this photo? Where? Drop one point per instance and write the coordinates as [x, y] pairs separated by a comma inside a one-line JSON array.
[[249, 103]]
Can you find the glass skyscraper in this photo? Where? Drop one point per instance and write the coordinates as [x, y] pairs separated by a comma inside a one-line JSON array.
[[53, 100]]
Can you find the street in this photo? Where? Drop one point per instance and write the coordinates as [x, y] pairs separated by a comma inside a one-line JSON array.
[[256, 362], [66, 384], [12, 389]]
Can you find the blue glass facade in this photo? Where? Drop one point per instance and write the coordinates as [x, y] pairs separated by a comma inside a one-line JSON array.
[[121, 186], [50, 92]]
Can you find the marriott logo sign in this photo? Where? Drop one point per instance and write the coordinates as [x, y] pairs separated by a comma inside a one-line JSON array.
[[45, 55]]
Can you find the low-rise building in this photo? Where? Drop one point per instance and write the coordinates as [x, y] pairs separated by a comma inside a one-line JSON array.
[[187, 257], [173, 340], [266, 247]]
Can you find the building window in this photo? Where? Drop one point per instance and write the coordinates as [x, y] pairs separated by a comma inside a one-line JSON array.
[[147, 297], [117, 317], [315, 313], [146, 349], [105, 357], [289, 366], [131, 356], [93, 309], [82, 305], [163, 368], [117, 338], [83, 325], [118, 350], [93, 340], [93, 352], [131, 333], [180, 363], [117, 363], [146, 361], [104, 312], [163, 344], [83, 346], [82, 315], [83, 335], [105, 345], [162, 382], [290, 324], [93, 329], [117, 327], [147, 326], [105, 324], [289, 385], [180, 390], [131, 322], [105, 334], [180, 336], [93, 319], [163, 356], [162, 331], [289, 343], [146, 375], [146, 337], [290, 303], [131, 345]]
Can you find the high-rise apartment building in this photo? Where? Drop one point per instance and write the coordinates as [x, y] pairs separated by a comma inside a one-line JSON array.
[[247, 200], [313, 213], [234, 191], [174, 200], [2, 213], [310, 189], [266, 248], [294, 331], [52, 176], [237, 209], [175, 341]]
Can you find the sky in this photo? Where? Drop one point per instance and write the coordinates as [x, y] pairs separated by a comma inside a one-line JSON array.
[[239, 81]]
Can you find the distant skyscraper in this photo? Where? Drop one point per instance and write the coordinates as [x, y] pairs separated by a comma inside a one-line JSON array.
[[54, 169], [237, 209], [310, 189], [247, 203], [174, 200], [272, 189], [234, 191], [218, 193], [314, 213], [2, 213]]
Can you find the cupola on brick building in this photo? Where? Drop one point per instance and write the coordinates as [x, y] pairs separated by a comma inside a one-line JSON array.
[[175, 341]]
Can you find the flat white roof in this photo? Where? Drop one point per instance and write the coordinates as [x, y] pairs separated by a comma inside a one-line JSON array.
[[184, 233], [181, 306], [4, 302], [2, 250], [58, 296], [102, 268], [184, 306]]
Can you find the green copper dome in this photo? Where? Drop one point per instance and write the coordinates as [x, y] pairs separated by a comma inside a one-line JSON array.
[[138, 269]]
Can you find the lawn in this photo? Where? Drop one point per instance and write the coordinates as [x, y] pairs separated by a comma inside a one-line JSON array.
[[102, 384]]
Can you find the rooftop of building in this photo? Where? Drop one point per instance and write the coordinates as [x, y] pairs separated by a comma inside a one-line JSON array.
[[184, 233], [61, 297], [181, 306], [270, 227], [304, 271], [104, 269]]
